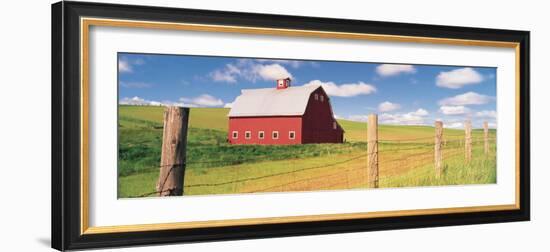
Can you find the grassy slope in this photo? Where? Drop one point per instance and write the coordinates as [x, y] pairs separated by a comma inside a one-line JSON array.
[[481, 170], [216, 119], [200, 117], [140, 140]]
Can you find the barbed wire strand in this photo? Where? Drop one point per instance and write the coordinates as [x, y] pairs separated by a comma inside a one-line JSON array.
[[447, 152]]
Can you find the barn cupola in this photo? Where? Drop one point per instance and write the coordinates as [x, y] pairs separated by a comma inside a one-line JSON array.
[[283, 83]]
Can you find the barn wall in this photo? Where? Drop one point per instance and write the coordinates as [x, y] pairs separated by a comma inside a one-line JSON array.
[[268, 125], [318, 121]]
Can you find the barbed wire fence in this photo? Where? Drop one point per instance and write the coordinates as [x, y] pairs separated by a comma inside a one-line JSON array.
[[390, 157]]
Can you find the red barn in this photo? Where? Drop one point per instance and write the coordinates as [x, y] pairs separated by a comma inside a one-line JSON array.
[[283, 115]]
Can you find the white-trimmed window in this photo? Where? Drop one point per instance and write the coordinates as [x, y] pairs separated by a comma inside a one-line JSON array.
[[322, 98], [247, 134], [316, 97], [334, 125], [261, 135], [235, 134], [291, 134], [275, 134]]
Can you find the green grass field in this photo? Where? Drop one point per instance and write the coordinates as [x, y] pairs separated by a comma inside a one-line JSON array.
[[215, 167]]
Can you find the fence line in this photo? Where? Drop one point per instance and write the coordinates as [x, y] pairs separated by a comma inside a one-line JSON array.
[[382, 155], [419, 159], [423, 161], [267, 176], [387, 149]]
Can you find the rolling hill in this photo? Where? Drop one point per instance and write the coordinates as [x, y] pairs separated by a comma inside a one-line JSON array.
[[216, 119], [216, 167]]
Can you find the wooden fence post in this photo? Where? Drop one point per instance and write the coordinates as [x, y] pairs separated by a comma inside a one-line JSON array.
[[437, 149], [468, 141], [486, 138], [372, 151], [172, 161]]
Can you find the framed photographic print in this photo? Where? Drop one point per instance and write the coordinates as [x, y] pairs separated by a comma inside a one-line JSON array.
[[180, 125]]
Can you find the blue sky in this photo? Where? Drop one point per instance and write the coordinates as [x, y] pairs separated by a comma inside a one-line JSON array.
[[398, 93]]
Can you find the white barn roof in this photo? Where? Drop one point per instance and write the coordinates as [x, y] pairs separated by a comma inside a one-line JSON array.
[[290, 101]]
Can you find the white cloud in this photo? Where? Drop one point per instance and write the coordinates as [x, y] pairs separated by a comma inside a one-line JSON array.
[[458, 78], [250, 70], [453, 125], [223, 76], [486, 114], [344, 90], [470, 98], [138, 101], [417, 117], [124, 66], [454, 110], [358, 118], [135, 84], [204, 100], [227, 74], [412, 118], [394, 69], [179, 104], [292, 63], [270, 72], [420, 112], [388, 106]]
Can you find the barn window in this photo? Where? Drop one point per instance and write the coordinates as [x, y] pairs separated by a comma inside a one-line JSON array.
[[247, 134], [235, 134], [316, 97], [334, 125], [291, 134], [275, 135], [322, 98], [261, 135]]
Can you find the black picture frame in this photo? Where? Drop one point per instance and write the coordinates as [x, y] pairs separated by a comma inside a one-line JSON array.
[[66, 134]]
